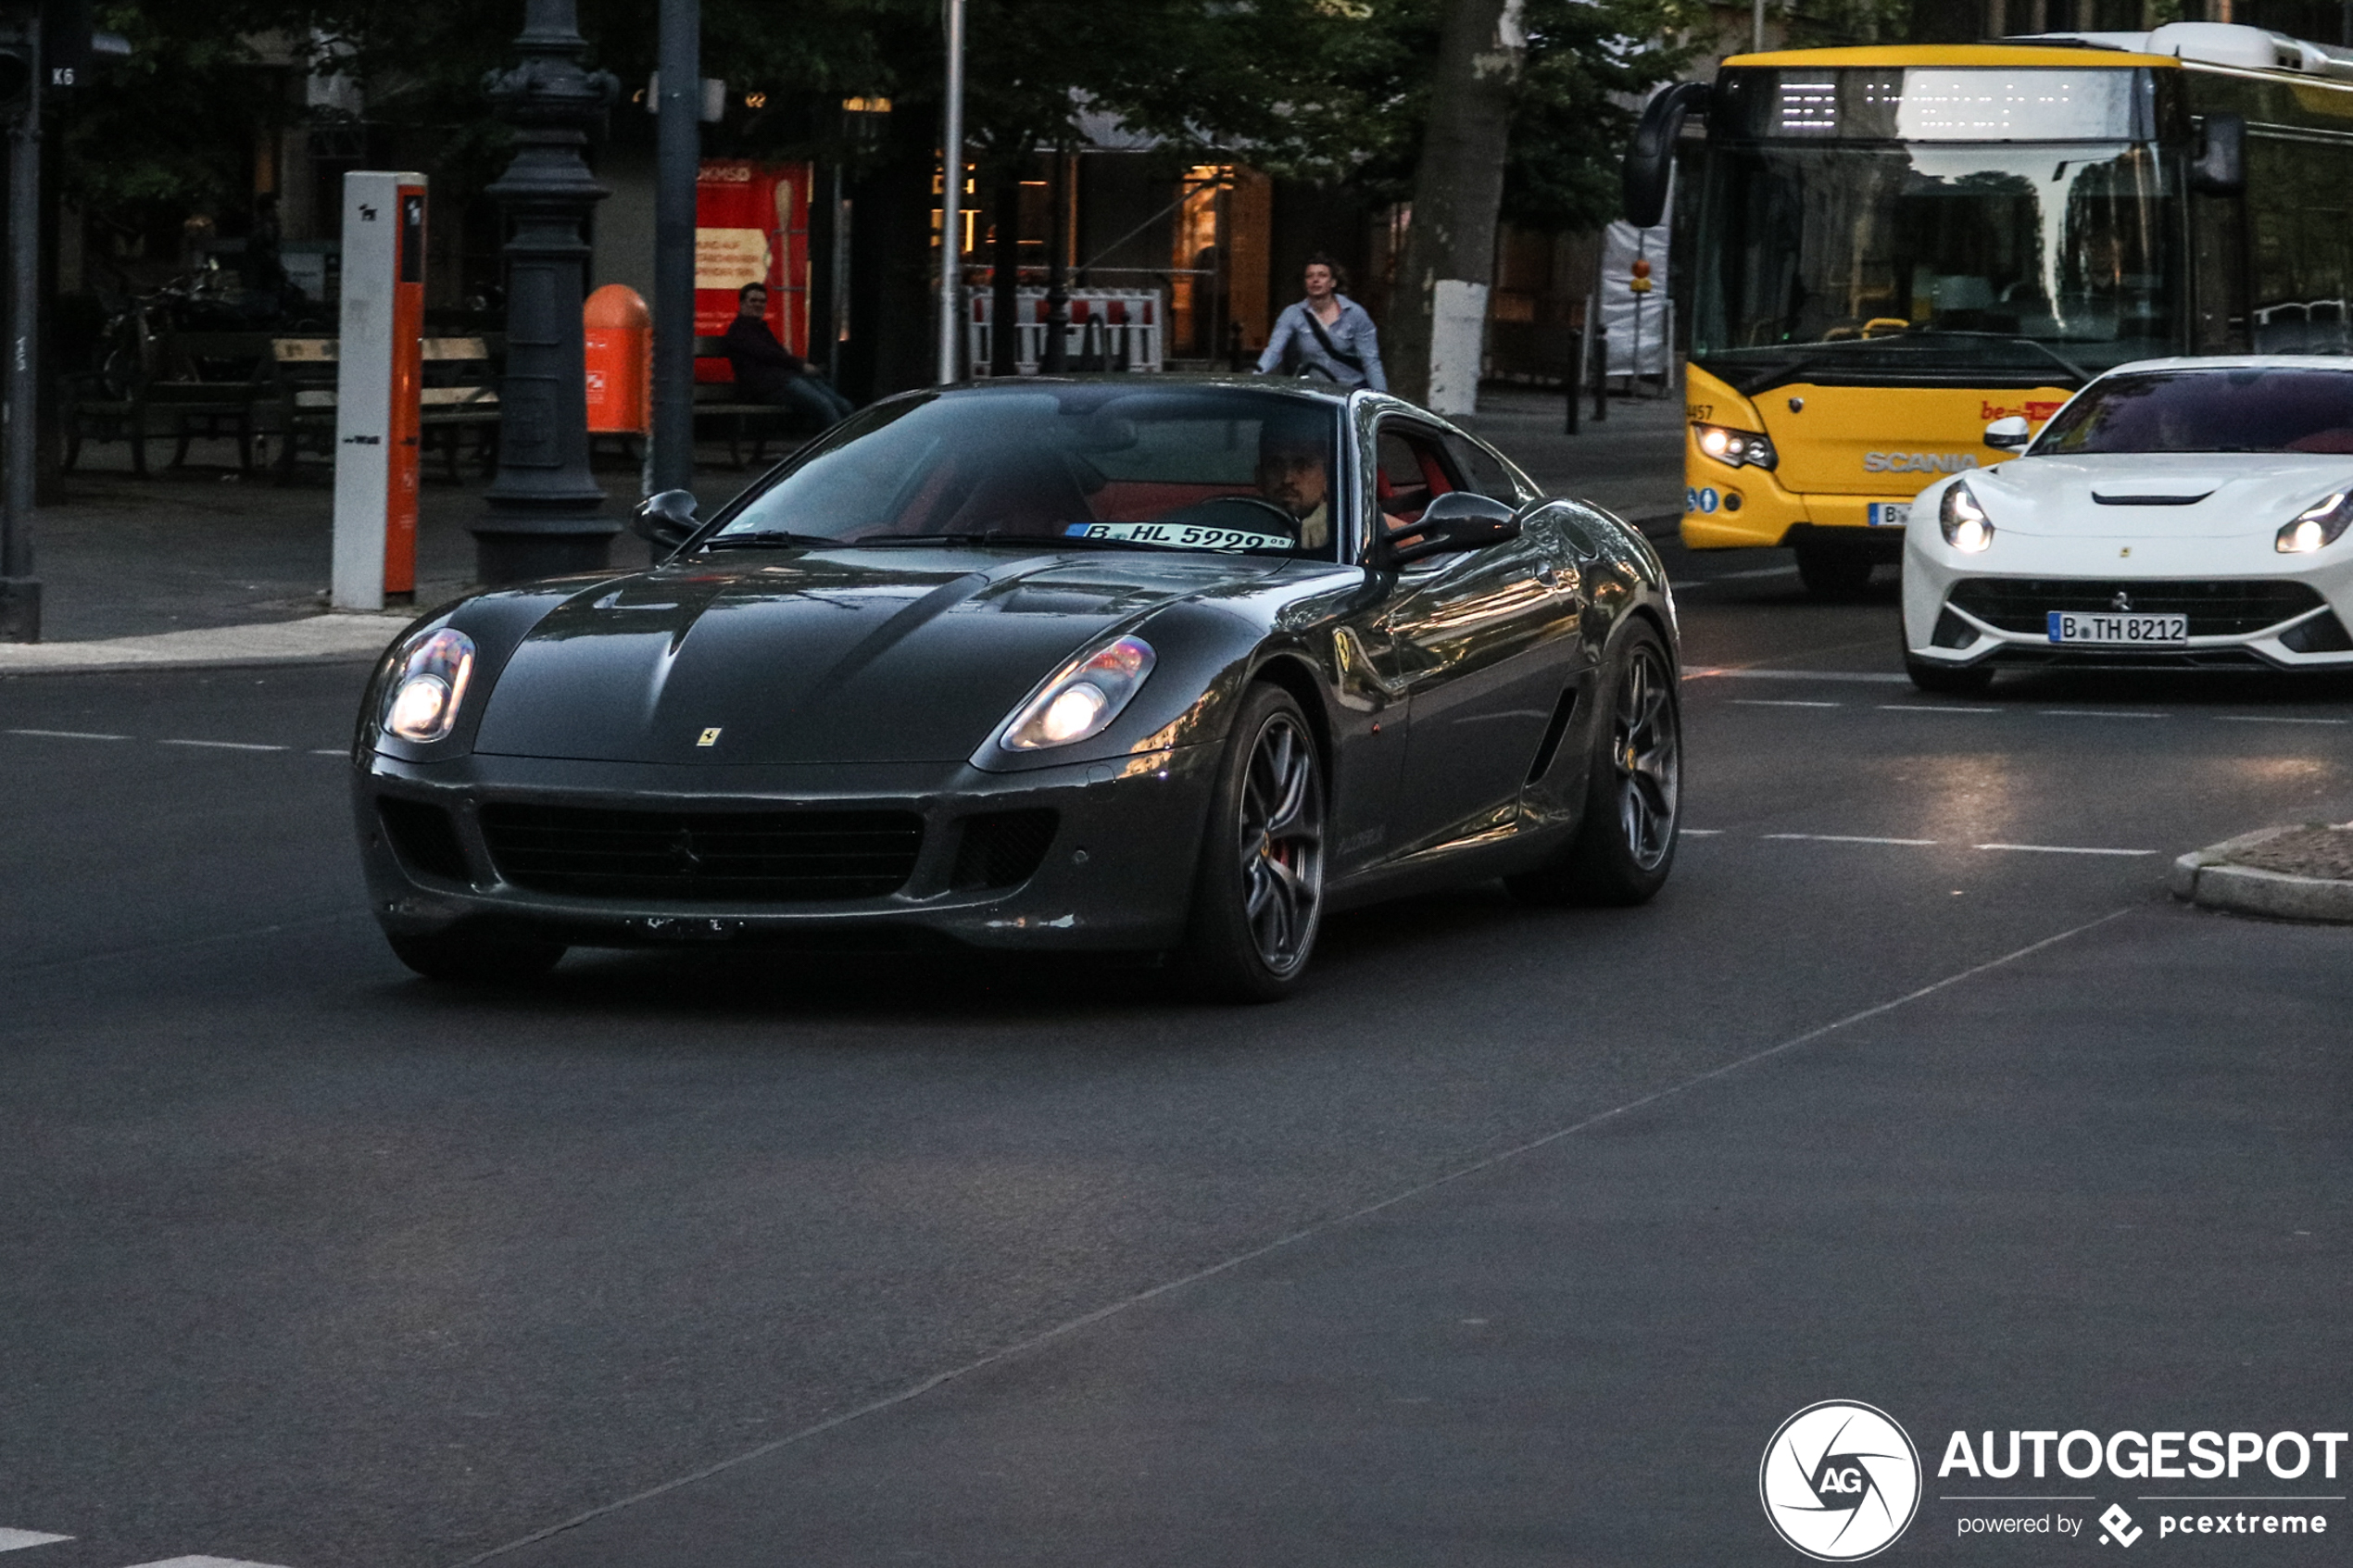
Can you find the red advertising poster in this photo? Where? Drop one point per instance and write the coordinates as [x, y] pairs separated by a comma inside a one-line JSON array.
[[751, 225]]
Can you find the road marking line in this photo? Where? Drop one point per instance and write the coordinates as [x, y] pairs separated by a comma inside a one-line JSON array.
[[1872, 676], [16, 1540], [68, 735], [331, 751], [1700, 833], [1929, 708], [203, 1562], [2060, 849], [1848, 838], [225, 744], [2228, 719], [1778, 702], [2096, 713], [1226, 1265], [1735, 577]]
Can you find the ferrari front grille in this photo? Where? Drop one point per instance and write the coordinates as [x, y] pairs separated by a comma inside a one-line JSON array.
[[2214, 608], [703, 857], [1002, 849]]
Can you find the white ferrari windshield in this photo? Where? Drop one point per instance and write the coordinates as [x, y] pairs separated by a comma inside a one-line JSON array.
[[2238, 408]]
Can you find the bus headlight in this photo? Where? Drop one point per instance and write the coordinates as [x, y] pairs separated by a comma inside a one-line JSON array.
[[1965, 526], [2316, 525], [1735, 448]]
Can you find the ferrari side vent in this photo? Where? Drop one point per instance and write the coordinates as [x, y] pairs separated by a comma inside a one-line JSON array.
[[2322, 633], [1563, 711], [1002, 849], [424, 838]]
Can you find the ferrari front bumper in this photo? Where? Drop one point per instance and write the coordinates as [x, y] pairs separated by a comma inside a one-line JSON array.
[[1094, 856]]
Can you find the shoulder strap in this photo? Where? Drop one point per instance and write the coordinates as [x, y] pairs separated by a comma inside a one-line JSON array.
[[1352, 361]]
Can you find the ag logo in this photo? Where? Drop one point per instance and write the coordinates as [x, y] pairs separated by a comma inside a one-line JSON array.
[[1840, 1481]]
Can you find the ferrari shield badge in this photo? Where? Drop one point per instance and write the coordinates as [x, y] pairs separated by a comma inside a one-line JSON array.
[[709, 737]]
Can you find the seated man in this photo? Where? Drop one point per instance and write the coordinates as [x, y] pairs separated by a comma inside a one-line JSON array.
[[1292, 473], [766, 371]]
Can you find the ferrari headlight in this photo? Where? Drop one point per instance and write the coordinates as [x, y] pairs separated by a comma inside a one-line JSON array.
[[1735, 448], [1965, 524], [1082, 697], [2317, 525], [428, 685]]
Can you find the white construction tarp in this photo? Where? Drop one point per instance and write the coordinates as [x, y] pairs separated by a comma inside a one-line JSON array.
[[1641, 327]]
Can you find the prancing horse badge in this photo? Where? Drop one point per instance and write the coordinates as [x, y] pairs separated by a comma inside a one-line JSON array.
[[709, 737]]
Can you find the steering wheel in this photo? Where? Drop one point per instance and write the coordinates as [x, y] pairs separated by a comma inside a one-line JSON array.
[[1204, 514]]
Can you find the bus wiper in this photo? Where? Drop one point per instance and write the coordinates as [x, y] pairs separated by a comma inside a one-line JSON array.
[[2083, 377], [767, 538]]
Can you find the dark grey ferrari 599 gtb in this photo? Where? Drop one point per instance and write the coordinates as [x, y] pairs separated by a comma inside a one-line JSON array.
[[1156, 665]]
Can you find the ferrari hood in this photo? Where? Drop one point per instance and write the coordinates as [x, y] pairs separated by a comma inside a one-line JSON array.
[[843, 656], [2156, 496]]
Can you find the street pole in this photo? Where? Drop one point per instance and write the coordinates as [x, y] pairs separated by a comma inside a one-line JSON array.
[[20, 589], [1757, 28], [544, 516], [678, 155], [951, 192]]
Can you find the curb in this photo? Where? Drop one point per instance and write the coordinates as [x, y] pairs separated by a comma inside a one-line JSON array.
[[336, 638], [2206, 877]]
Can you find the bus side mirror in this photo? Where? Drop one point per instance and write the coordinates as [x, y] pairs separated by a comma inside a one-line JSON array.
[[2220, 168], [1650, 158], [2009, 435]]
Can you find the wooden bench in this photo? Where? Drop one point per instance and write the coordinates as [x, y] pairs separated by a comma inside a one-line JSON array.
[[460, 398], [185, 385], [717, 404]]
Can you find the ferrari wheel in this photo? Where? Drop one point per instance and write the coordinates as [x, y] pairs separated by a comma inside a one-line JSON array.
[[1633, 802], [1946, 681], [461, 956], [1259, 897]]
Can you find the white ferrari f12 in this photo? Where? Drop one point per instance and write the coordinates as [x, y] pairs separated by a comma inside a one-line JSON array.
[[2183, 513]]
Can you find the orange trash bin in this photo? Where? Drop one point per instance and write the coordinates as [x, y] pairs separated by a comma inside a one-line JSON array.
[[619, 335]]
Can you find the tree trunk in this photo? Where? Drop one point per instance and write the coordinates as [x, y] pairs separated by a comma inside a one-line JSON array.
[[1438, 314]]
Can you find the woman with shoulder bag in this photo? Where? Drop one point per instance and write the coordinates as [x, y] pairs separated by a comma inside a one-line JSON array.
[[1327, 333]]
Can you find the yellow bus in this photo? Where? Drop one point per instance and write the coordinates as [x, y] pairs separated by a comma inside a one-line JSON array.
[[1897, 248]]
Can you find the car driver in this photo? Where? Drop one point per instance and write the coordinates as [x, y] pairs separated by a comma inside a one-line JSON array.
[[1292, 474]]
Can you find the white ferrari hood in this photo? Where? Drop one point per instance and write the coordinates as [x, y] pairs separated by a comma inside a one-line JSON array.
[[2156, 496]]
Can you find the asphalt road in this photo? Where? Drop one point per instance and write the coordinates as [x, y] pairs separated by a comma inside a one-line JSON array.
[[1512, 1242]]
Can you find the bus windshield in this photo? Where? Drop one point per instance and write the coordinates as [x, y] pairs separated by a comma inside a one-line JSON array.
[[1921, 262]]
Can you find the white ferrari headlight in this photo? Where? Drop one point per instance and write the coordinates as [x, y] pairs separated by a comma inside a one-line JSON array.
[[2317, 525], [1082, 697], [428, 686], [1964, 522]]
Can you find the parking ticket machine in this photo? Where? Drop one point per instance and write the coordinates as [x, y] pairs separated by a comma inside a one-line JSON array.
[[378, 389]]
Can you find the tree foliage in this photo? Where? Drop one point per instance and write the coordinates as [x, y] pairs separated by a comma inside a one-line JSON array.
[[1324, 88]]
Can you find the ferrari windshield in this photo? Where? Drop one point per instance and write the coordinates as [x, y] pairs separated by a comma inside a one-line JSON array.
[[2241, 408], [1916, 225], [1227, 469]]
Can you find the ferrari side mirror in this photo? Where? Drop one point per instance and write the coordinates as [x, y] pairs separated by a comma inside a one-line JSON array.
[[667, 518], [2009, 435], [1455, 521]]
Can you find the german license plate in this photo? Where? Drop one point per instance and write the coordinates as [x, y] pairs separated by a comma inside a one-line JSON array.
[[1891, 514], [2138, 630]]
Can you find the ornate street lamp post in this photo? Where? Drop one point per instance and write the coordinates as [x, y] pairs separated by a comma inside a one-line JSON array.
[[545, 512]]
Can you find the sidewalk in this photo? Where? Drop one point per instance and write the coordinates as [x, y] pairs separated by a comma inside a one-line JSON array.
[[1631, 462], [201, 566]]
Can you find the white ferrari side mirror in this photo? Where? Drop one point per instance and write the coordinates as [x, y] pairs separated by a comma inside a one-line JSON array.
[[2009, 435]]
